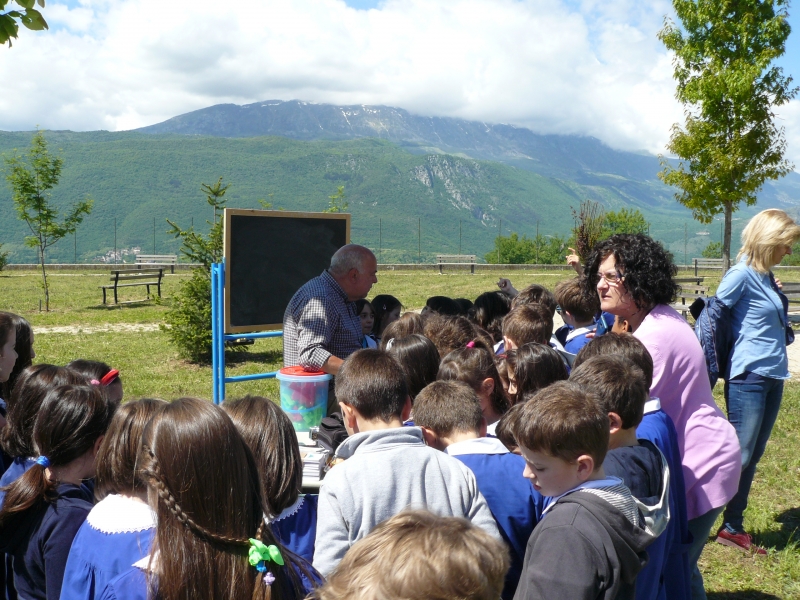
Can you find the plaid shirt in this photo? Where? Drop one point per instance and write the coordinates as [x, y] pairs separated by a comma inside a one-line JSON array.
[[319, 322]]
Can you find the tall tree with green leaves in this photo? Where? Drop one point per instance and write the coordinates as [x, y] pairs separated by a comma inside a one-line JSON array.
[[337, 202], [624, 221], [729, 86], [31, 178], [25, 13]]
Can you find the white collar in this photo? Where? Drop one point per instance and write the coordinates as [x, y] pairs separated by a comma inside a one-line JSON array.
[[290, 510], [652, 405], [145, 564], [580, 331], [484, 445], [121, 514]]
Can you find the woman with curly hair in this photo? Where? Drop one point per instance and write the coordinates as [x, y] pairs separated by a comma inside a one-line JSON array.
[[634, 278], [759, 361]]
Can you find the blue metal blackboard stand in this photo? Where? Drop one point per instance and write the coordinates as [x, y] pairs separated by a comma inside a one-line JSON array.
[[218, 336]]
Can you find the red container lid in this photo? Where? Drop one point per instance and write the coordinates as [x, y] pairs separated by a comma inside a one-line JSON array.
[[300, 371]]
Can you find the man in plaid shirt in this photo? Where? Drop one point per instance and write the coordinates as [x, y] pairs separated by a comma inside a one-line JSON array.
[[321, 326]]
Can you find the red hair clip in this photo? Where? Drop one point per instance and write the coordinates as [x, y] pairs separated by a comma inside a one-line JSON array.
[[109, 377]]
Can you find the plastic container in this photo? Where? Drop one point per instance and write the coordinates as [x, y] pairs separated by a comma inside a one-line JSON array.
[[304, 396]]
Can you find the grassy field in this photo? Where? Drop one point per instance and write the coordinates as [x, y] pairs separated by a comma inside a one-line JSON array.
[[128, 338]]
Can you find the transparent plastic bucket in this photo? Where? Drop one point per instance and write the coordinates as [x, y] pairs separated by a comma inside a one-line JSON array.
[[304, 396]]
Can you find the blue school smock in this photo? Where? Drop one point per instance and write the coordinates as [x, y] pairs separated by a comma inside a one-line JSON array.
[[40, 541], [17, 469], [117, 533], [515, 505], [670, 550], [296, 526]]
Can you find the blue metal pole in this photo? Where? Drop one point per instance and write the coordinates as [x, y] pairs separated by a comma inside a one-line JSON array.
[[221, 331], [214, 334]]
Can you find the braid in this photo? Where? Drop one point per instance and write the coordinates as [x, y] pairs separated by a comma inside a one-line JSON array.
[[154, 473]]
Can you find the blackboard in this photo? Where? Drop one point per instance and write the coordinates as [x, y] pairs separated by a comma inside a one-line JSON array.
[[269, 255]]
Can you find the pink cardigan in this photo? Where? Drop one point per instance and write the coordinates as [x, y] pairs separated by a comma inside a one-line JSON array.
[[708, 444]]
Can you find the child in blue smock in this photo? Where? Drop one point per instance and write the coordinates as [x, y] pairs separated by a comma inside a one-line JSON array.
[[449, 414], [119, 529], [272, 439]]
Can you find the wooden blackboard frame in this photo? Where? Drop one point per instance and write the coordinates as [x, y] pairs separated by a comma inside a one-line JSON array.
[[267, 214]]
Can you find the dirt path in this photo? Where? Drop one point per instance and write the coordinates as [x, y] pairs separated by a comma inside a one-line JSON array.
[[108, 327]]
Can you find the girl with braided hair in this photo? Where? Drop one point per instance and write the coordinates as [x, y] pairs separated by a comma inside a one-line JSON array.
[[211, 541], [46, 506]]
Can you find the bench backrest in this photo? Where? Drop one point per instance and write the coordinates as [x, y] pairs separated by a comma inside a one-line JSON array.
[[169, 259], [712, 263], [456, 258], [133, 274]]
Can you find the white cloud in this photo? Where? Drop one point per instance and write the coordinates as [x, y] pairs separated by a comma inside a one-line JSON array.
[[592, 68]]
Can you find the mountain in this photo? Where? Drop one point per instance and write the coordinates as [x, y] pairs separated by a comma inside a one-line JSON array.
[[416, 186]]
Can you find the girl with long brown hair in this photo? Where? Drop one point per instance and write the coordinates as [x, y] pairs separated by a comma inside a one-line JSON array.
[[45, 507], [211, 540]]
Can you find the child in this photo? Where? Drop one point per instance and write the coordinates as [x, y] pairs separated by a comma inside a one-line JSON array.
[[488, 312], [532, 367], [407, 324], [8, 360], [119, 529], [100, 374], [44, 508], [23, 346], [270, 435], [448, 333], [387, 310], [526, 324], [367, 316], [211, 541], [23, 406], [449, 414], [415, 555], [536, 294], [388, 467], [577, 310], [670, 549], [474, 365], [442, 305], [419, 359], [588, 543]]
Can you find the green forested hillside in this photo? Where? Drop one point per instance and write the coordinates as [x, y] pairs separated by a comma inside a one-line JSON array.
[[137, 178]]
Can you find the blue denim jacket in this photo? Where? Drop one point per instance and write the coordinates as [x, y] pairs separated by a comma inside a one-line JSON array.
[[757, 323]]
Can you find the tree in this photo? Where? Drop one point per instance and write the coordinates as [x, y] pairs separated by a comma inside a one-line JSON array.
[[543, 249], [726, 81], [3, 258], [27, 15], [624, 221], [336, 202], [713, 250], [31, 182], [189, 318]]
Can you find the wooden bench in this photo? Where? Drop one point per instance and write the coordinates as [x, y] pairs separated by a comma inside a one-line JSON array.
[[134, 278], [792, 293], [456, 259], [688, 293], [706, 263], [164, 260], [693, 280]]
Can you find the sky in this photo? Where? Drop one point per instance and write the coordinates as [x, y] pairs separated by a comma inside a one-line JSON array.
[[584, 67]]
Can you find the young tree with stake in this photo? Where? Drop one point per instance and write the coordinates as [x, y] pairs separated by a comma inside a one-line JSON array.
[[730, 145], [31, 181]]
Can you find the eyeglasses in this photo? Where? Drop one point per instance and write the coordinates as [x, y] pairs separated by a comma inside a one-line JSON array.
[[612, 277]]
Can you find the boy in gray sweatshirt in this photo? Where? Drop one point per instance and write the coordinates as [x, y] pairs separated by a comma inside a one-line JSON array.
[[388, 467]]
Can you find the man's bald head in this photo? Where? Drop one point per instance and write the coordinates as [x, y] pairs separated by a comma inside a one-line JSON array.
[[354, 267]]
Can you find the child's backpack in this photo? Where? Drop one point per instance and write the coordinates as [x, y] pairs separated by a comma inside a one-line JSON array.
[[713, 329]]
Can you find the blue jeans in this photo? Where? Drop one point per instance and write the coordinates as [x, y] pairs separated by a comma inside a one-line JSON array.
[[700, 527], [752, 410]]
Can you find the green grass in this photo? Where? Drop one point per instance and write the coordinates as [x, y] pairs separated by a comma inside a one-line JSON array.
[[150, 367]]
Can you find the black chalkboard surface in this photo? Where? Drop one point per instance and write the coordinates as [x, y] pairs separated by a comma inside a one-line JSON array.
[[269, 255]]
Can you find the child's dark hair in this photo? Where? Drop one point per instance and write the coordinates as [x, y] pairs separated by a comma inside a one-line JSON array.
[[528, 323], [464, 306], [408, 324], [419, 359], [448, 333], [443, 305], [619, 384], [373, 383], [91, 369], [615, 343], [361, 303], [565, 421], [473, 365], [535, 366], [382, 304], [488, 312], [505, 428], [536, 294], [70, 421], [116, 459], [447, 407], [271, 438], [23, 348], [204, 486], [25, 403], [572, 297]]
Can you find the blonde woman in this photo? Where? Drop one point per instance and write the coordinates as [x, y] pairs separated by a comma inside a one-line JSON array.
[[759, 362]]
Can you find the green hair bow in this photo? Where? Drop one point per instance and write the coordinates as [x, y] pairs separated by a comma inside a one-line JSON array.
[[260, 553]]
